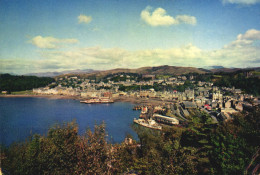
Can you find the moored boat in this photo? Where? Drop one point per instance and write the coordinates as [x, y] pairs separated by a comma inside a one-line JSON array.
[[150, 123], [97, 100]]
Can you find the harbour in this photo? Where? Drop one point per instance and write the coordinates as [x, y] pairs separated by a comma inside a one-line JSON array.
[[24, 116]]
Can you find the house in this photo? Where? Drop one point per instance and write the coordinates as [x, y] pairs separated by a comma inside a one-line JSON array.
[[189, 94], [237, 91], [217, 96], [148, 76], [228, 110], [228, 104], [189, 105], [239, 106], [208, 107], [107, 94], [214, 105]]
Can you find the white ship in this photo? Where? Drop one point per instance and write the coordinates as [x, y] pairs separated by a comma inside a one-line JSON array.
[[150, 123], [97, 100]]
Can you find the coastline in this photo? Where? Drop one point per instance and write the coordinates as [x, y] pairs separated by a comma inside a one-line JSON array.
[[142, 101], [41, 96], [134, 100]]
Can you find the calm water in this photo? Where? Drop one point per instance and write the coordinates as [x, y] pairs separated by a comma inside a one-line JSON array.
[[21, 117]]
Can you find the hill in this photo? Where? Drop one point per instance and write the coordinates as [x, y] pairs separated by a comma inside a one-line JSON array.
[[13, 83], [54, 74], [159, 70], [230, 70]]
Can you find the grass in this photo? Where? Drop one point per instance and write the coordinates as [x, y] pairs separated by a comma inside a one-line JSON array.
[[27, 92], [256, 73]]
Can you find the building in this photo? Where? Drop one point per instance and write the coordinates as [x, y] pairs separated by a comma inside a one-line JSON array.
[[165, 119], [217, 96], [148, 76], [228, 104], [189, 105]]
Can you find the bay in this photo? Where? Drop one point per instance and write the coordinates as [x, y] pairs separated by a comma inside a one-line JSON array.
[[22, 117]]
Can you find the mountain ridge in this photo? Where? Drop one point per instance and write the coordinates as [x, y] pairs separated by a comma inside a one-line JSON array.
[[56, 73], [156, 70]]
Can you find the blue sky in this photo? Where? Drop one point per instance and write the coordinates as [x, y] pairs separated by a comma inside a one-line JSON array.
[[47, 35]]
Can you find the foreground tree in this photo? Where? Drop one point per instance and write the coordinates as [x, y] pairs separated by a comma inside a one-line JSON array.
[[202, 148]]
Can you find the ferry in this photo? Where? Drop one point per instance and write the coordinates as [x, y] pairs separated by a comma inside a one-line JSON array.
[[97, 100], [165, 119], [150, 123]]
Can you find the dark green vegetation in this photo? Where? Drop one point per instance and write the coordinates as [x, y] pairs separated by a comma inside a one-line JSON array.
[[248, 81], [200, 148], [250, 85], [11, 83]]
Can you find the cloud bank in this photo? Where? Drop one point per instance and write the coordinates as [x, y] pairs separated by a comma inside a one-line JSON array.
[[159, 17], [50, 42], [242, 52]]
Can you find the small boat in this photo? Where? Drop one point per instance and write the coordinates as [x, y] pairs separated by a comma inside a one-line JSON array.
[[150, 123]]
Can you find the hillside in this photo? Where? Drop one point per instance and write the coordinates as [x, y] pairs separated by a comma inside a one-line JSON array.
[[54, 74], [230, 70], [159, 70], [11, 83]]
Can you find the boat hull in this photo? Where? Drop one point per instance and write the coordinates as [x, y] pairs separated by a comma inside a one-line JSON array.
[[147, 125]]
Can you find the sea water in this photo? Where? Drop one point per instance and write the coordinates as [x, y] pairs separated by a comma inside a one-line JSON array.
[[24, 116]]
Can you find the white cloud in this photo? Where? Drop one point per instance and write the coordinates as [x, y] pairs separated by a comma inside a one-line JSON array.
[[159, 17], [245, 2], [246, 39], [84, 19], [242, 52], [239, 53], [50, 42], [251, 34]]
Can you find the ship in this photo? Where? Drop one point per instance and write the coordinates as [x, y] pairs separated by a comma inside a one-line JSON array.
[[150, 123], [165, 119], [97, 100]]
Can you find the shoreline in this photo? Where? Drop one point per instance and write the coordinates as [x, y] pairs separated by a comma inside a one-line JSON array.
[[142, 101], [134, 100], [41, 96]]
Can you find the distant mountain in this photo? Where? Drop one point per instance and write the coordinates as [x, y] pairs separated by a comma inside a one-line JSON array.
[[229, 70], [215, 67], [225, 70], [54, 74], [159, 70], [205, 70], [170, 70]]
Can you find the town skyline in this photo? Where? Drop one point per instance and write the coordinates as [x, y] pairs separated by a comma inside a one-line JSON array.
[[46, 36]]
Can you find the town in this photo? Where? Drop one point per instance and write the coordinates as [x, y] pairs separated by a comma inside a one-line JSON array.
[[171, 100]]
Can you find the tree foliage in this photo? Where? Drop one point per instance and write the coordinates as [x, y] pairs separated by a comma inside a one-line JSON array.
[[13, 83], [250, 85], [231, 147]]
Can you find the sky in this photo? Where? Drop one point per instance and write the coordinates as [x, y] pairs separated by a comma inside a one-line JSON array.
[[57, 35]]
